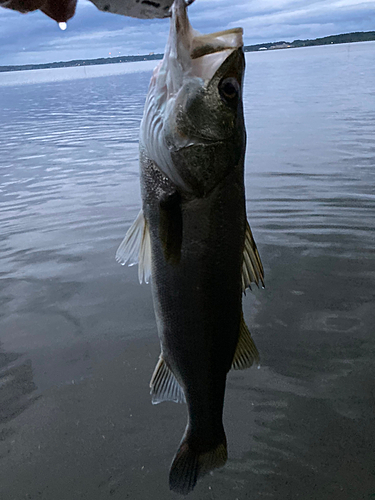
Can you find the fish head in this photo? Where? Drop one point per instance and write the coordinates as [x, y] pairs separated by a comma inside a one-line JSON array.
[[194, 106]]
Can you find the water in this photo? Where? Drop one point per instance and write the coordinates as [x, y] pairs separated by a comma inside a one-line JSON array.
[[78, 337]]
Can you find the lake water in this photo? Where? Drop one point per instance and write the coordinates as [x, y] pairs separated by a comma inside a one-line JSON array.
[[78, 340]]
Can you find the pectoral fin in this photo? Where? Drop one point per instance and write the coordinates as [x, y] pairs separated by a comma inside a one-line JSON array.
[[136, 248], [252, 268], [246, 352], [164, 386]]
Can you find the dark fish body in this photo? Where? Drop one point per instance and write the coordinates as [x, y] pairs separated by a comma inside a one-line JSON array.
[[198, 298], [192, 235]]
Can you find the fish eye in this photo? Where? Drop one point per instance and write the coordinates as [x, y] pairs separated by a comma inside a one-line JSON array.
[[229, 88]]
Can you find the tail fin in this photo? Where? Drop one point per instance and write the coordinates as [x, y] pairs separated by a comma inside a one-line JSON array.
[[189, 465]]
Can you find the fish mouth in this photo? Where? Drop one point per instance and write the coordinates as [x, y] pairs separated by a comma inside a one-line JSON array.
[[199, 55], [208, 52], [212, 43]]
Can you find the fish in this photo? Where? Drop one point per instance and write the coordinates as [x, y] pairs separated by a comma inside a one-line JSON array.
[[191, 238]]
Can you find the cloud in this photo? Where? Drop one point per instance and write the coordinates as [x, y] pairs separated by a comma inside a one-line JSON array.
[[33, 38]]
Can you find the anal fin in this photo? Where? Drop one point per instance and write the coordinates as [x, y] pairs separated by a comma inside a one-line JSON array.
[[246, 352], [164, 386], [136, 248], [252, 268]]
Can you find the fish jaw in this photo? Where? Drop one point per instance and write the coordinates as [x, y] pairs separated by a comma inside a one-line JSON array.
[[191, 61], [192, 54]]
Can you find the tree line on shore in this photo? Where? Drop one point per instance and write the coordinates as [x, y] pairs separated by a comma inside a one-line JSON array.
[[361, 36]]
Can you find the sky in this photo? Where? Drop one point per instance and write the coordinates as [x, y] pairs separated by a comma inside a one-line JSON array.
[[34, 38]]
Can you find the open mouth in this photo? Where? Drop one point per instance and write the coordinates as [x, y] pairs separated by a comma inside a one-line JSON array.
[[203, 45], [200, 55], [208, 52]]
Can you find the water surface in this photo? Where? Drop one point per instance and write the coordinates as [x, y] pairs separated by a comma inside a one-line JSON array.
[[78, 339]]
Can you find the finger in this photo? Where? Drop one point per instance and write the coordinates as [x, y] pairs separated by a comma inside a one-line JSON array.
[[60, 10]]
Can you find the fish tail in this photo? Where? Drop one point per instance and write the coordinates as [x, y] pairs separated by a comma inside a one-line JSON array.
[[191, 463]]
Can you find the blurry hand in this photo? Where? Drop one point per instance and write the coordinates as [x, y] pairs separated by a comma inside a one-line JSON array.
[[59, 10], [62, 10]]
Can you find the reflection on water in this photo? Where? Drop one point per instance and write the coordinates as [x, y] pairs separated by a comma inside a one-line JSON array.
[[300, 427], [16, 388], [17, 393]]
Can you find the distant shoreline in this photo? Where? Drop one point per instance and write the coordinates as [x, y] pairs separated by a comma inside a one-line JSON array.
[[359, 36]]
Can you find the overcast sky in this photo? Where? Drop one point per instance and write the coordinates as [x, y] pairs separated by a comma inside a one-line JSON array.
[[34, 38]]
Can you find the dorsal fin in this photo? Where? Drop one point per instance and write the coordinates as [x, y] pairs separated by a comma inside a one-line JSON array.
[[246, 352], [164, 386], [136, 248], [252, 268]]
